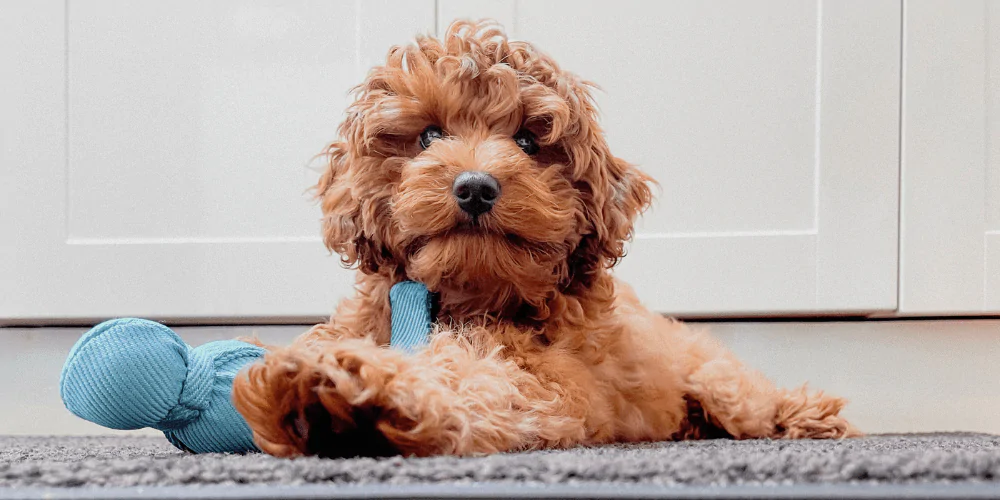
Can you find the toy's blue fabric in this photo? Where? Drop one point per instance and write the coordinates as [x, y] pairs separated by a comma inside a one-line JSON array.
[[133, 373], [410, 303]]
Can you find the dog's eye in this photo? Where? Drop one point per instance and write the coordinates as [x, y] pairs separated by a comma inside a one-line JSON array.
[[429, 135], [526, 141]]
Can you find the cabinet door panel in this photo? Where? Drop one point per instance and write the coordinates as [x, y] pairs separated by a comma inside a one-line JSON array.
[[772, 128], [950, 232], [169, 173]]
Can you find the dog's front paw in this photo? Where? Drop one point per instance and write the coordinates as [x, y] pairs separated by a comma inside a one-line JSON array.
[[325, 399], [812, 415]]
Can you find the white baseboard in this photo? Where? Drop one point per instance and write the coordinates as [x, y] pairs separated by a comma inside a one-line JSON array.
[[901, 376]]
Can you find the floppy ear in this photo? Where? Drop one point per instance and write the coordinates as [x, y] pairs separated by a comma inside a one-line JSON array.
[[627, 195], [614, 193], [343, 214]]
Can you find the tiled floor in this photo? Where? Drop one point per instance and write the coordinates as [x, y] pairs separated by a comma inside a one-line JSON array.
[[901, 376]]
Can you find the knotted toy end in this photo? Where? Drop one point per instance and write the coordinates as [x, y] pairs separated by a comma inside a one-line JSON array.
[[125, 374]]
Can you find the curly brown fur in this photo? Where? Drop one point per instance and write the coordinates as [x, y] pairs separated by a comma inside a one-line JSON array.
[[536, 345]]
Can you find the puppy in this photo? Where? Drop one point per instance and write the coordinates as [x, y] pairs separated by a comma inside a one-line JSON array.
[[476, 166]]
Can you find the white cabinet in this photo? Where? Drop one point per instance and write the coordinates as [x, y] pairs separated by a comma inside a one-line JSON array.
[[155, 154], [950, 225], [772, 128]]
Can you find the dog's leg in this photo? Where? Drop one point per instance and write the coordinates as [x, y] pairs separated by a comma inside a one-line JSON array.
[[747, 405], [350, 398]]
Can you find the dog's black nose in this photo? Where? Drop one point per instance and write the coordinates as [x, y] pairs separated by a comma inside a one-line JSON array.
[[476, 192]]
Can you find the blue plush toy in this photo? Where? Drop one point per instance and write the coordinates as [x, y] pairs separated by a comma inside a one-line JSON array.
[[134, 373]]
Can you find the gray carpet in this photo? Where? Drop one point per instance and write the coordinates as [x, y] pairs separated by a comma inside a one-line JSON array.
[[59, 466]]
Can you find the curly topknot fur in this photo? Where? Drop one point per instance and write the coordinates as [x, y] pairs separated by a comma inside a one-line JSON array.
[[536, 344]]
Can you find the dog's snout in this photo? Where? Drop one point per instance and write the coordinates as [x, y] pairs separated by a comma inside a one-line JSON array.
[[476, 192]]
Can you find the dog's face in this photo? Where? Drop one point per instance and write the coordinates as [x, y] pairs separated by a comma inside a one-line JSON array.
[[476, 166]]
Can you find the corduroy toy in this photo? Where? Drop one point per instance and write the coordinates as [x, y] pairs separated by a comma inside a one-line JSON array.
[[133, 373]]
